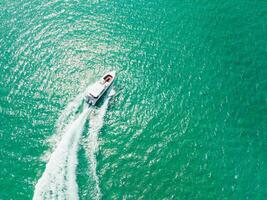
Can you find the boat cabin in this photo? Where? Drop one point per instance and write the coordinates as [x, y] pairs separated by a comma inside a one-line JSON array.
[[99, 87]]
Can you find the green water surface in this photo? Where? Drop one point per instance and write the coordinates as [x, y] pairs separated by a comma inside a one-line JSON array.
[[191, 119]]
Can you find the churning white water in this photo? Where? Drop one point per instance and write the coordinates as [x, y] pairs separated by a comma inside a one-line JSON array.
[[91, 143], [58, 181], [59, 178]]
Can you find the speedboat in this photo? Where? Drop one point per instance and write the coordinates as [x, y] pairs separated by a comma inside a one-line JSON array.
[[97, 90]]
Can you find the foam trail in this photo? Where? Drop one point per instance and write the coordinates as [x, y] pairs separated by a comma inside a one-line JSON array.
[[91, 144], [66, 116], [71, 109], [59, 179]]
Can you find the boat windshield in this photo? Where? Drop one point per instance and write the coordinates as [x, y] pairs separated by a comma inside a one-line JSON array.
[[107, 78]]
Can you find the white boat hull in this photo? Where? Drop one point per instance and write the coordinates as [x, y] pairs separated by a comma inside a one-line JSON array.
[[99, 88]]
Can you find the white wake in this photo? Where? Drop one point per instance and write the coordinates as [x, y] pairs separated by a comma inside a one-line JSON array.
[[91, 143], [67, 116], [58, 181], [59, 178]]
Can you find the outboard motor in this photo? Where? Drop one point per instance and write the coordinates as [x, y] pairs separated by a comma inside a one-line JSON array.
[[88, 100]]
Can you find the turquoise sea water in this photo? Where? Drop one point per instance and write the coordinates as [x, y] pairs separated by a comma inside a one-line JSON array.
[[189, 120]]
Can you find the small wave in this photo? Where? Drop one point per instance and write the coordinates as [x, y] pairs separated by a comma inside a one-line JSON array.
[[91, 143]]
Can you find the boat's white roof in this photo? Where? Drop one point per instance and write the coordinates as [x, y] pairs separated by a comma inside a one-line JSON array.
[[96, 89]]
